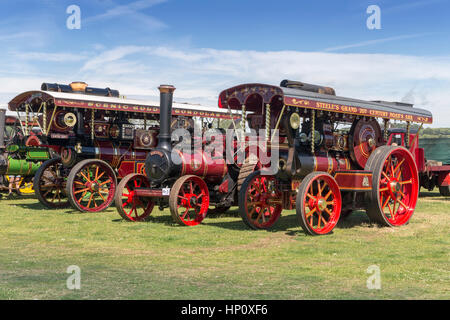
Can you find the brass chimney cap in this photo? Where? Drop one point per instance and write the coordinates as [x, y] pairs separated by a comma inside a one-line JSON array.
[[166, 88], [79, 86]]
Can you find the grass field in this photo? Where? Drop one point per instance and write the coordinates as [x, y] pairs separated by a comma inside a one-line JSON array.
[[220, 259]]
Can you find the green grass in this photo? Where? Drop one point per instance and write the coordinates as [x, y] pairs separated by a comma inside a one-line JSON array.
[[220, 259]]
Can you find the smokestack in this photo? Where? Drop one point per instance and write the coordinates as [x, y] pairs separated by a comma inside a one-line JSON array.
[[2, 128], [165, 116]]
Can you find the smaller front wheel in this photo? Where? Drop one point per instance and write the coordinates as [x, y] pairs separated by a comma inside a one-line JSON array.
[[130, 206], [189, 200], [260, 203], [319, 203]]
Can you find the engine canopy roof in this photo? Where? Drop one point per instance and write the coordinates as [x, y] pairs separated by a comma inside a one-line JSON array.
[[34, 99], [256, 95]]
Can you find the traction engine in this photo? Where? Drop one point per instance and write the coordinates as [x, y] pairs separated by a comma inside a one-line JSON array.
[[187, 182], [333, 158]]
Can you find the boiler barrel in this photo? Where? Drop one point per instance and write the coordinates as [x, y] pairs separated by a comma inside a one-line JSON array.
[[203, 165], [322, 162], [20, 167]]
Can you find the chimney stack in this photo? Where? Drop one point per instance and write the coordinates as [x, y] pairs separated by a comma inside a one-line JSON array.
[[165, 116]]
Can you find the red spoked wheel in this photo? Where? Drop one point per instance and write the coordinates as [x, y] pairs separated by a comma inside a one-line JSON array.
[[130, 206], [395, 187], [50, 184], [91, 186], [260, 202], [189, 200], [319, 203]]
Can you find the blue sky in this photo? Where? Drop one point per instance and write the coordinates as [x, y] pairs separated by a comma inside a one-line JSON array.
[[204, 46]]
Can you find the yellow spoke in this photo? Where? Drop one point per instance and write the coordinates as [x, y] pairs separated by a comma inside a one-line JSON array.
[[90, 199], [398, 166], [319, 187], [109, 180], [101, 175], [311, 212], [404, 206], [89, 180], [79, 191]]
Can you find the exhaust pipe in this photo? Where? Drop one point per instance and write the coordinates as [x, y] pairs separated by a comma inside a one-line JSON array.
[[165, 116], [2, 128]]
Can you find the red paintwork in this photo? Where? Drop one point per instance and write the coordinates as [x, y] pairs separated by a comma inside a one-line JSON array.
[[123, 157], [149, 193], [137, 108], [201, 164], [326, 163], [354, 180]]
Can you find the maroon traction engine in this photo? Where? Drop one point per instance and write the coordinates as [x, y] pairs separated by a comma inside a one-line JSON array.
[[333, 157], [185, 181], [100, 137]]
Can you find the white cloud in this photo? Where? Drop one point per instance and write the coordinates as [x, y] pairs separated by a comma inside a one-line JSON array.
[[131, 10], [18, 35], [52, 57], [377, 41], [200, 74]]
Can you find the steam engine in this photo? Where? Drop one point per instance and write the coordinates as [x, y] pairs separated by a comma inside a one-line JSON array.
[[165, 164]]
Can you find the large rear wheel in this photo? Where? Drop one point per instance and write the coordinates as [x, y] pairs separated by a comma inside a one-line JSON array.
[[395, 186], [50, 184], [91, 186]]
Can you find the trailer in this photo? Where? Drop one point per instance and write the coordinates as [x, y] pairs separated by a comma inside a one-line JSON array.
[[432, 158]]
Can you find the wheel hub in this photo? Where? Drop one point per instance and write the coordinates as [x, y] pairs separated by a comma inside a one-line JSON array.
[[94, 186], [395, 187], [193, 201], [321, 204]]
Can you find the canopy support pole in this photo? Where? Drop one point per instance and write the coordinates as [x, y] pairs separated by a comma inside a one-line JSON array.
[[278, 123], [313, 129], [51, 120], [92, 124], [408, 130], [267, 122], [386, 128]]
